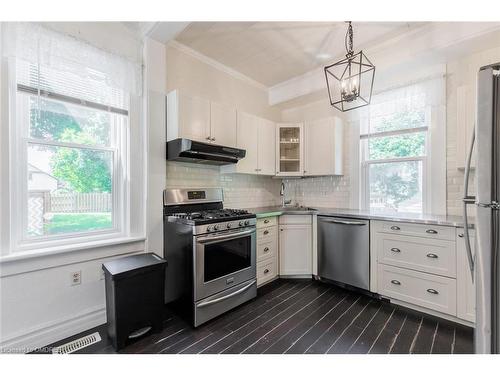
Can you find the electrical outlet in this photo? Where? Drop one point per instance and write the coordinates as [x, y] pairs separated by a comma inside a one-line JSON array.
[[76, 278]]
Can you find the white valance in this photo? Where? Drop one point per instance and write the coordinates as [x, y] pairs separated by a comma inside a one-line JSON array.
[[69, 62], [409, 98]]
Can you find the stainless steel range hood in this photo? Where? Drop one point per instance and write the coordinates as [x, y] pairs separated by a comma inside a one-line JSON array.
[[189, 151]]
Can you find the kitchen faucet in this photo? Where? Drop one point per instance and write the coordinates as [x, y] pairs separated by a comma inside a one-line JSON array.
[[282, 194]]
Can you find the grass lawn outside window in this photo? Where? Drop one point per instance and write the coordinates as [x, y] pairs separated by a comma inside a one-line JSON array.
[[60, 223]]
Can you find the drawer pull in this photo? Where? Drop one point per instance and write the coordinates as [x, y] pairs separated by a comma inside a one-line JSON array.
[[266, 249], [266, 221], [395, 250], [266, 271], [461, 235], [431, 255], [395, 227], [432, 291], [266, 232], [431, 231], [396, 282]]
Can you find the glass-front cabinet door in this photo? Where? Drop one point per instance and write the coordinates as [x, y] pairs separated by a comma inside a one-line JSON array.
[[290, 149]]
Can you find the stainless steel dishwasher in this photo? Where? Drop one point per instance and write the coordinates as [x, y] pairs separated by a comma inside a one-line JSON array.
[[344, 250]]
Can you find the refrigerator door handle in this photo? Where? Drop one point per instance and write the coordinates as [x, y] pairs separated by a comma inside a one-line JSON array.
[[468, 199]]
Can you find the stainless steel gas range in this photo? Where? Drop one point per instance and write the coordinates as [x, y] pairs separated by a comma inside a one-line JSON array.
[[211, 253]]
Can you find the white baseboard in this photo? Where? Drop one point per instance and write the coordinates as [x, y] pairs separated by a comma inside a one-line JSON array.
[[40, 336]]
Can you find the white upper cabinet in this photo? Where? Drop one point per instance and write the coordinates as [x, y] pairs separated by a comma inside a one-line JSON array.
[[290, 149], [223, 124], [323, 147], [267, 148], [247, 137], [257, 136], [200, 120], [187, 117]]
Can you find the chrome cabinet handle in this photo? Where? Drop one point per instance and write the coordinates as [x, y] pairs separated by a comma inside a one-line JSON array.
[[461, 235], [432, 291], [266, 271], [431, 231], [395, 227], [395, 250], [266, 249], [396, 282], [431, 255], [266, 232], [266, 221]]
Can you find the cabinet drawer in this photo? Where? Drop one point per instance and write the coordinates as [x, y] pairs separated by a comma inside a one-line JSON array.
[[266, 270], [266, 234], [267, 249], [421, 254], [267, 222], [421, 289], [422, 230], [296, 219]]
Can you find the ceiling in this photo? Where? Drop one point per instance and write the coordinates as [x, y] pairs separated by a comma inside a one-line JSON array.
[[273, 52]]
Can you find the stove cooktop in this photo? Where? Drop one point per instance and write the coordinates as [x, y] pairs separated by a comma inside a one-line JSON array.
[[210, 216]]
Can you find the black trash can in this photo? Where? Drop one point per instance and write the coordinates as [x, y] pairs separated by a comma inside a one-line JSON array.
[[134, 297]]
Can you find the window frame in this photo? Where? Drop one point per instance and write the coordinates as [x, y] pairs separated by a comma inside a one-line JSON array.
[[365, 162], [18, 165]]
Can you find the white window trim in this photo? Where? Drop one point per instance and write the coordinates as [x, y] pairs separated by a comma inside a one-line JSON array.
[[433, 173], [19, 248]]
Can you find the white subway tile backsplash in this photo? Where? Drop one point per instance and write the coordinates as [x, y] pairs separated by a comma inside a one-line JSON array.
[[240, 190]]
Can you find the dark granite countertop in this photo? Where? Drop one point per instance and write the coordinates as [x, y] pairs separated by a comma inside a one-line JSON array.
[[447, 220]]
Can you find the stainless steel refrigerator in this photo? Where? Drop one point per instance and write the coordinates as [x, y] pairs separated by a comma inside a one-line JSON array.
[[485, 264]]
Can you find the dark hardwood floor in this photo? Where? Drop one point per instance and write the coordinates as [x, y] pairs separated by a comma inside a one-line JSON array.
[[303, 316]]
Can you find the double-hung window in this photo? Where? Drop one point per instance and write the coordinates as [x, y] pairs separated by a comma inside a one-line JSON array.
[[395, 148], [69, 140]]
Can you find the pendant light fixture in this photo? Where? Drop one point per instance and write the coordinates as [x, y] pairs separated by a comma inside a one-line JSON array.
[[350, 80]]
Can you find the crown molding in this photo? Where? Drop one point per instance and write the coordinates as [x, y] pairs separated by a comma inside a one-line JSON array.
[[215, 64]]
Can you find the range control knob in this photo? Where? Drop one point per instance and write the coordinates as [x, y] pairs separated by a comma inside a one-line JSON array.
[[229, 225], [241, 223], [216, 227], [209, 228], [247, 222]]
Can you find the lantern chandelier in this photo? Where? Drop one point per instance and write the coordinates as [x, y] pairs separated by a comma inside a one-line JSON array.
[[350, 80]]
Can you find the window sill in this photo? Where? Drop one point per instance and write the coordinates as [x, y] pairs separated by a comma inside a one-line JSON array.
[[32, 260]]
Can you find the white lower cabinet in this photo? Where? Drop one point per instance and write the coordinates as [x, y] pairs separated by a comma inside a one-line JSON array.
[[295, 246], [267, 270], [424, 266], [419, 288], [267, 250], [466, 289]]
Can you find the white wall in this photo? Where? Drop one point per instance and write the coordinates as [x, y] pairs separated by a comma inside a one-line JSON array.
[[38, 305], [154, 113], [198, 76]]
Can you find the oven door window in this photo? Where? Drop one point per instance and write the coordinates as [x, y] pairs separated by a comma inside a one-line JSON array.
[[225, 257]]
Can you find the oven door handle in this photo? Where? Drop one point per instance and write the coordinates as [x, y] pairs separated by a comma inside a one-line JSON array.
[[230, 295], [225, 236]]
